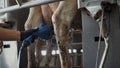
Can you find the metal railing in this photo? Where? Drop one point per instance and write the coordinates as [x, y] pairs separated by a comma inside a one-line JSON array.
[[26, 5]]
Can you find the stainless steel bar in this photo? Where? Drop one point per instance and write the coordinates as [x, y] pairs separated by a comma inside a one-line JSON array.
[[79, 3], [105, 53], [26, 5], [19, 2]]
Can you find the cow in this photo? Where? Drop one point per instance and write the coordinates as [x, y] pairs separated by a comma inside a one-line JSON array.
[[60, 15]]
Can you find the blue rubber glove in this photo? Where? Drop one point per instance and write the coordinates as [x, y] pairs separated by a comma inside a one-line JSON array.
[[44, 32]]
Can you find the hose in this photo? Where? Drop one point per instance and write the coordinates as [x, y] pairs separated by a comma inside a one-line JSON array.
[[20, 51]]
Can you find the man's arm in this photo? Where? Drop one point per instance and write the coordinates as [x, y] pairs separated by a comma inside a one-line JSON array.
[[43, 31], [6, 35]]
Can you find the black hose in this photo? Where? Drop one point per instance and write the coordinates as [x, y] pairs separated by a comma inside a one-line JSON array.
[[20, 51]]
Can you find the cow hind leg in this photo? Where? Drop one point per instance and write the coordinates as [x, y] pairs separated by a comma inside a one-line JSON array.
[[48, 55], [34, 19], [31, 56], [38, 48], [61, 19]]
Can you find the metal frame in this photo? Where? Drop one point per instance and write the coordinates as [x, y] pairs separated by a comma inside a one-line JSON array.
[[94, 3], [26, 5]]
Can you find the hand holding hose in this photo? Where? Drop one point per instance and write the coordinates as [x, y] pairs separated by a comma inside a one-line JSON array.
[[43, 32]]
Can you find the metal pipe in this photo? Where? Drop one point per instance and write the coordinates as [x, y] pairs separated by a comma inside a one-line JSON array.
[[26, 5], [19, 2], [104, 53], [99, 42], [79, 3]]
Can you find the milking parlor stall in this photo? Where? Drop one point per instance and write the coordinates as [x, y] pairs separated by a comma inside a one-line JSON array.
[[59, 33]]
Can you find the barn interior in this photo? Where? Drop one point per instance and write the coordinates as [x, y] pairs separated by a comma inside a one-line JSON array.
[[87, 48]]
